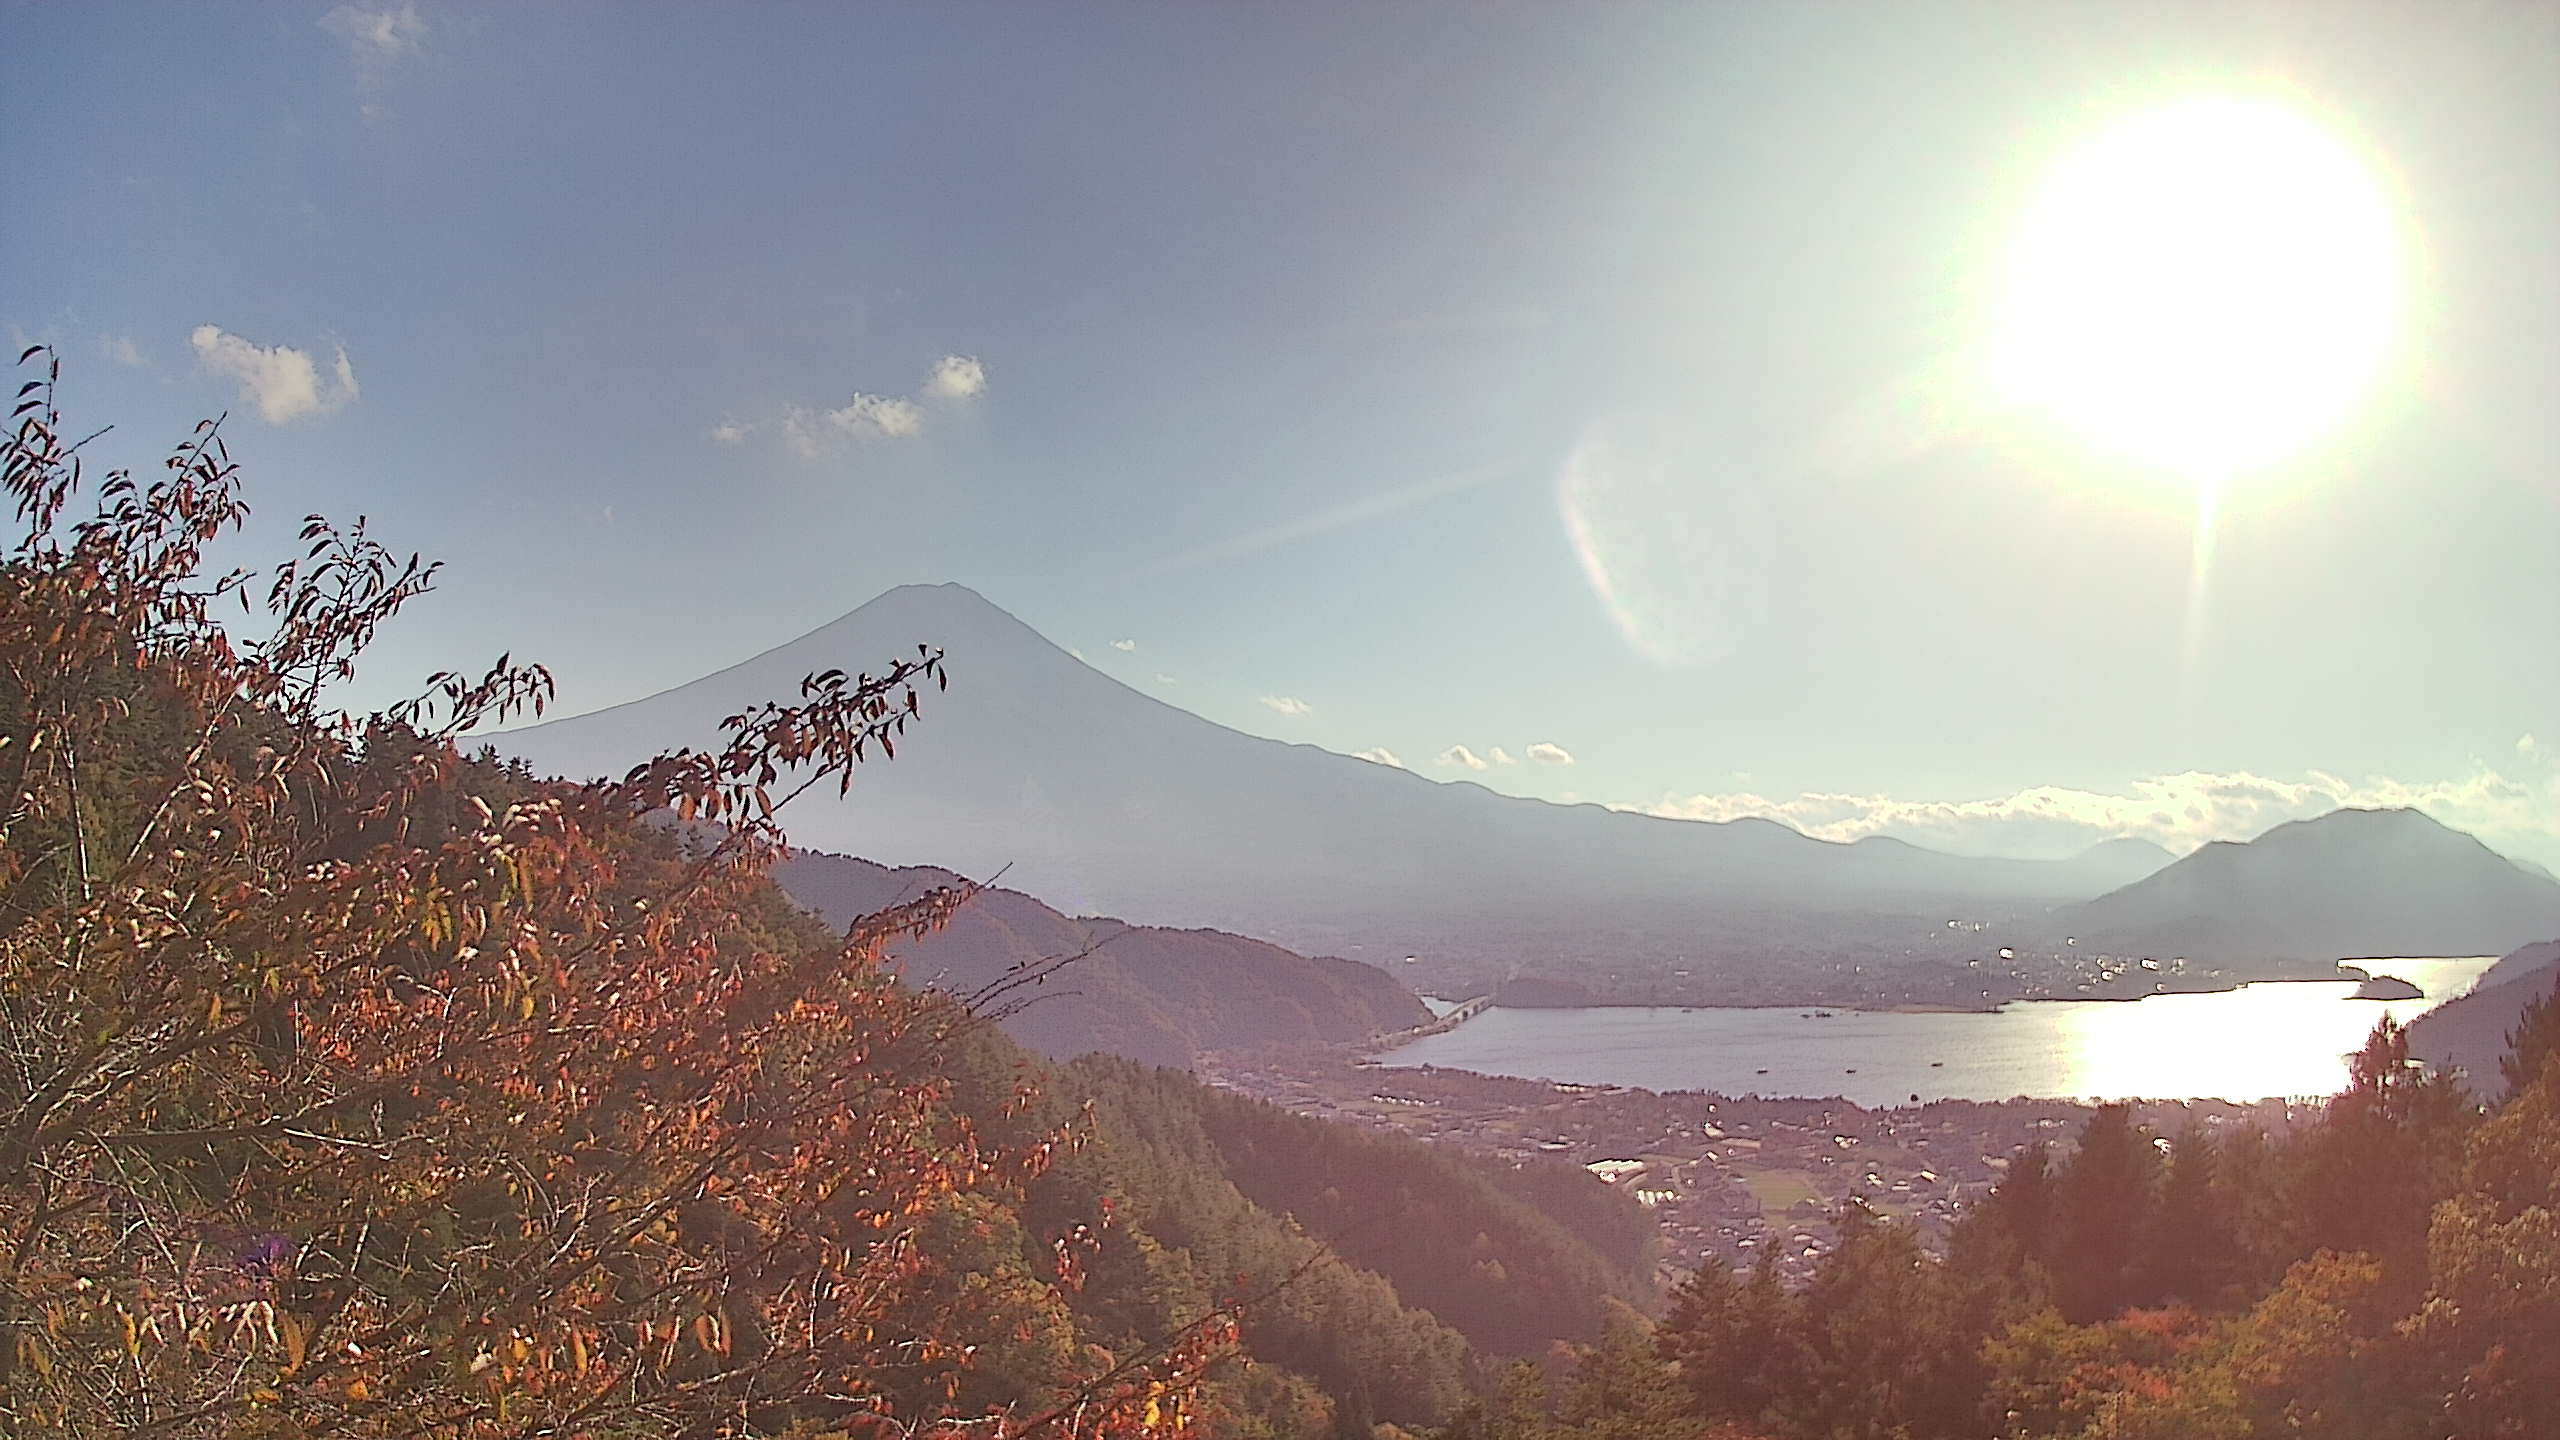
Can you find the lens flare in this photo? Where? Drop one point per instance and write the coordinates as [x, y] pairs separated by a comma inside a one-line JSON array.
[[1663, 519]]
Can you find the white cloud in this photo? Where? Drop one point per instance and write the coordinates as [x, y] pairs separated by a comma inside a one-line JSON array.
[[377, 38], [1548, 753], [1500, 756], [805, 431], [1164, 679], [2527, 745], [123, 351], [2179, 811], [885, 416], [1075, 652], [1124, 645], [1289, 705], [864, 417], [281, 381], [869, 417], [731, 432], [378, 41], [1378, 755], [1462, 756], [956, 377]]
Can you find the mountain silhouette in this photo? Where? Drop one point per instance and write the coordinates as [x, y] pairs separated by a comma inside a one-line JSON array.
[[2347, 884], [1153, 995], [2469, 1032], [1101, 800]]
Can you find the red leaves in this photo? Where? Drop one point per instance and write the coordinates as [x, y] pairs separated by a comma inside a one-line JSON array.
[[563, 1119], [555, 1118]]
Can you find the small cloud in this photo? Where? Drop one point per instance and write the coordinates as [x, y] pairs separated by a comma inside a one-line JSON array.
[[885, 416], [1164, 679], [123, 351], [1548, 753], [281, 381], [377, 38], [2527, 745], [378, 41], [731, 432], [870, 417], [1075, 652], [1289, 705], [1460, 755], [864, 417], [956, 377], [1379, 755], [1124, 645], [1500, 756]]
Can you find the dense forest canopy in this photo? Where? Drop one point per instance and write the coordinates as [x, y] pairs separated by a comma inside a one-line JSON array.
[[2389, 1272]]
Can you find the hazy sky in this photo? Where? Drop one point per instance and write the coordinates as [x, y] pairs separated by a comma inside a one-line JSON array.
[[1446, 381]]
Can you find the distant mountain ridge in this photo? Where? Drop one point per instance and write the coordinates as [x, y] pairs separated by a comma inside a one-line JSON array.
[[2347, 884], [1151, 995], [1103, 800]]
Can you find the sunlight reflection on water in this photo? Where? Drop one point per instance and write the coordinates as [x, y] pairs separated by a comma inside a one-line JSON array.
[[2277, 1039]]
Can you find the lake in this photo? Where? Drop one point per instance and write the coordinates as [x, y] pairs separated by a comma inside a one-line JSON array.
[[2269, 1039]]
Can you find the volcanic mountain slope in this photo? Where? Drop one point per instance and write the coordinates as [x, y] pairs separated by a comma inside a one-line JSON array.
[[2350, 883], [1151, 995], [1106, 801]]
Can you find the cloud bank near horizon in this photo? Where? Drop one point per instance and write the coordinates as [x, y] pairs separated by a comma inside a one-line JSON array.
[[2516, 816]]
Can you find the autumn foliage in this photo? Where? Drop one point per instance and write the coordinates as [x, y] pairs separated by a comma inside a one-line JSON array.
[[349, 1086]]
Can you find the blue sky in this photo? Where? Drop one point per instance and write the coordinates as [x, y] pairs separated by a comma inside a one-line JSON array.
[[1266, 339]]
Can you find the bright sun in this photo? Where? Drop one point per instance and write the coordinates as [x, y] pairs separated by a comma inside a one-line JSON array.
[[2204, 289]]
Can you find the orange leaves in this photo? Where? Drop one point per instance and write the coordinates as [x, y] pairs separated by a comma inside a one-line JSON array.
[[400, 1092]]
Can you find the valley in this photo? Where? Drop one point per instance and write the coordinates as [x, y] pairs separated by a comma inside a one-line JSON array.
[[1116, 803], [1722, 1176], [1072, 721]]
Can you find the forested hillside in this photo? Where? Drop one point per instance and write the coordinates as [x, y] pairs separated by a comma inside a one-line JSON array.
[[355, 1086], [1514, 1257], [2469, 1032], [1150, 994], [2390, 1272]]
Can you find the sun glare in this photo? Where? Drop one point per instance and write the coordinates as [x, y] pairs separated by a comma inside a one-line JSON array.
[[2204, 289]]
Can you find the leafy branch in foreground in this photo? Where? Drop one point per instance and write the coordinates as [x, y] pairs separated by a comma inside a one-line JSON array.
[[352, 1087]]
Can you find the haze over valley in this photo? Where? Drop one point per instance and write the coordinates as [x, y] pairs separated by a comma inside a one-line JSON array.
[[1102, 800]]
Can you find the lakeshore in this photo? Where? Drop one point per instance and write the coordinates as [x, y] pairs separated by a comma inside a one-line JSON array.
[[2245, 1043]]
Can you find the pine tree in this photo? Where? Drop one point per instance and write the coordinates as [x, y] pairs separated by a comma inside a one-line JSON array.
[[2186, 1249], [2103, 1198], [1722, 1337]]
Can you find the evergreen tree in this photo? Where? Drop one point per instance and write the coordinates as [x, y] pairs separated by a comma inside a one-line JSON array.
[[2024, 1202], [1622, 1389], [1878, 1356], [2383, 1153], [2102, 1199], [2186, 1249], [1723, 1338]]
